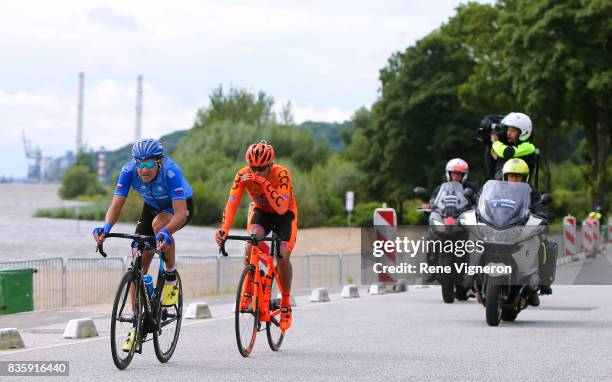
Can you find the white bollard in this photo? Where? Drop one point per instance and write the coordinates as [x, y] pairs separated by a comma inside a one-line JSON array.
[[199, 310], [10, 339], [80, 328], [350, 291], [319, 295], [377, 289]]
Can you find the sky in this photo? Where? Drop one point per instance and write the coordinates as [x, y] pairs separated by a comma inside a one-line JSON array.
[[323, 56]]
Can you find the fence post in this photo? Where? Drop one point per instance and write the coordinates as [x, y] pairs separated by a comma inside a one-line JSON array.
[[64, 283], [308, 284], [341, 266], [218, 275]]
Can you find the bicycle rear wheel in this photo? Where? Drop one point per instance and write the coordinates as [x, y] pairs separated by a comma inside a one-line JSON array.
[[169, 320], [126, 316], [246, 318], [273, 331]]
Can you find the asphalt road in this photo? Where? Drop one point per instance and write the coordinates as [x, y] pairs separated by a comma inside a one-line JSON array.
[[404, 336]]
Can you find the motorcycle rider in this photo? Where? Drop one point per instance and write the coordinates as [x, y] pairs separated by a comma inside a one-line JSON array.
[[516, 170], [456, 170], [517, 128]]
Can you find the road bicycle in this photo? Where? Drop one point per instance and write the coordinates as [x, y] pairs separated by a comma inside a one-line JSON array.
[[254, 305], [134, 309]]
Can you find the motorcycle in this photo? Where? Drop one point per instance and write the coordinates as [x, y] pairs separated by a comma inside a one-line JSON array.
[[450, 202], [512, 238]]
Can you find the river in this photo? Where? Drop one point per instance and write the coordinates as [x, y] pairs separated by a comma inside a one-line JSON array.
[[24, 237]]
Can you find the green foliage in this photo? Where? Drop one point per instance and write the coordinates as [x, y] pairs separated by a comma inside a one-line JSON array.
[[336, 134], [238, 105], [80, 180]]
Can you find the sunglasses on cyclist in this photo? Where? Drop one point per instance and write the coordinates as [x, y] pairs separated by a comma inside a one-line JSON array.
[[259, 169], [148, 164]]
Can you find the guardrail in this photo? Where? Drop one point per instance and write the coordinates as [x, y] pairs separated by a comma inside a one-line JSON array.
[[60, 282]]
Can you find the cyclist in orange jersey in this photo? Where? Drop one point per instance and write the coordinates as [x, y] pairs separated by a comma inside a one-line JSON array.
[[275, 209]]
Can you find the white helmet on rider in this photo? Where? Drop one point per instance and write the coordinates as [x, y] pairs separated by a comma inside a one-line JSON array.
[[519, 121], [457, 165]]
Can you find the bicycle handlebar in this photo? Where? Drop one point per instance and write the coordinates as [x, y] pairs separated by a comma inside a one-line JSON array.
[[138, 238], [253, 239]]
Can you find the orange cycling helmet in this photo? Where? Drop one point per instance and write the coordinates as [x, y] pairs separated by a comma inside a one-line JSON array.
[[259, 154]]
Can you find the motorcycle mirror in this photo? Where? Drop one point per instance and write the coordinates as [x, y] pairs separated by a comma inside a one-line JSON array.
[[546, 198], [421, 192]]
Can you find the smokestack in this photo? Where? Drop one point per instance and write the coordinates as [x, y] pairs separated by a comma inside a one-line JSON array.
[[139, 108], [79, 137]]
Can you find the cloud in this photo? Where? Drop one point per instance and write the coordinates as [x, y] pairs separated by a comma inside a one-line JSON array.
[[108, 17], [302, 113]]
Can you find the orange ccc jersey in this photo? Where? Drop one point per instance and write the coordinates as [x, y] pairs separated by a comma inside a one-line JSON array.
[[274, 194]]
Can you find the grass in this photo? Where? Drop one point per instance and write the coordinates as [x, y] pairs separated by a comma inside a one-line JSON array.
[[95, 211]]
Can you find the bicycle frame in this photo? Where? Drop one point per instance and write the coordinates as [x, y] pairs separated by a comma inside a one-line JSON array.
[[262, 288], [149, 316], [262, 285]]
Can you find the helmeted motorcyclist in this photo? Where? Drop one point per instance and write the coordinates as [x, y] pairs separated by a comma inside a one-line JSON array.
[[518, 129], [516, 170], [456, 170]]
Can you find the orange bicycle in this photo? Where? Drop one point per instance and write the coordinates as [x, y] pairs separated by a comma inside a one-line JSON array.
[[254, 304]]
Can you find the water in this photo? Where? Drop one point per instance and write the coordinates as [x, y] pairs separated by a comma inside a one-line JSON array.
[[24, 237]]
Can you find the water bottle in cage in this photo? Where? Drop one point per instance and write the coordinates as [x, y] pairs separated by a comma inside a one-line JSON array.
[[148, 279]]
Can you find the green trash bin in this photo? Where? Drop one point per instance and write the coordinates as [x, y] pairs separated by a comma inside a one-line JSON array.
[[16, 290]]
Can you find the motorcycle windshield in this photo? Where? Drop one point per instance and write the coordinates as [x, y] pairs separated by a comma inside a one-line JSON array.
[[450, 195], [504, 203]]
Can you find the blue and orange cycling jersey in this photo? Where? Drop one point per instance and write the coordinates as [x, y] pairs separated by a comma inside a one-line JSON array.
[[169, 185]]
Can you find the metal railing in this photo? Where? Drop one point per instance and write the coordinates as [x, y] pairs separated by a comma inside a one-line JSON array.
[[60, 282]]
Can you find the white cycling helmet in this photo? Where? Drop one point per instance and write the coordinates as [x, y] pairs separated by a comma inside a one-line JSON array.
[[520, 121], [457, 165]]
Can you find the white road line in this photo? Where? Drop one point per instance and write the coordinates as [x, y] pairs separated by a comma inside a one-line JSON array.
[[9, 353]]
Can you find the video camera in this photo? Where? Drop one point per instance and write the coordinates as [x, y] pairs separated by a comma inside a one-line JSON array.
[[489, 124]]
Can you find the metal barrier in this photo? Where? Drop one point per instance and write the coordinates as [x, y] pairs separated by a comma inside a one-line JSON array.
[[48, 281], [86, 281], [91, 281]]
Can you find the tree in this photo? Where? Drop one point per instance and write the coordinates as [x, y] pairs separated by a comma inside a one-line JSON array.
[[419, 123], [559, 55], [80, 180], [286, 114], [237, 105]]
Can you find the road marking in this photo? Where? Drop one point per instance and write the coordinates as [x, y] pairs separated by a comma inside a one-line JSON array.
[[204, 321]]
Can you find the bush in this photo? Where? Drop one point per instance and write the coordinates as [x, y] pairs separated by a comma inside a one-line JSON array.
[[78, 181]]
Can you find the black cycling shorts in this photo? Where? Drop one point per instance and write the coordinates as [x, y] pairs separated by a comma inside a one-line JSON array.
[[145, 222], [285, 225]]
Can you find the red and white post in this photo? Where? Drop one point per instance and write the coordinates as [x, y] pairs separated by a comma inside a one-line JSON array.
[[569, 235], [385, 224]]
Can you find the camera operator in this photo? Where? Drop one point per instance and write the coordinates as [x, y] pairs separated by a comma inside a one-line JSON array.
[[505, 139]]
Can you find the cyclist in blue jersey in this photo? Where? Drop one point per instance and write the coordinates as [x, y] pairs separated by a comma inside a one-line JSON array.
[[167, 208]]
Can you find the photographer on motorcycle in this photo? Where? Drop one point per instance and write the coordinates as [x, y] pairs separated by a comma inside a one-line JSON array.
[[505, 139], [516, 170]]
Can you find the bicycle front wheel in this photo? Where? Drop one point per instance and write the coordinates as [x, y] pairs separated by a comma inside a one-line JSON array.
[[273, 331], [168, 328], [246, 312], [126, 317]]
